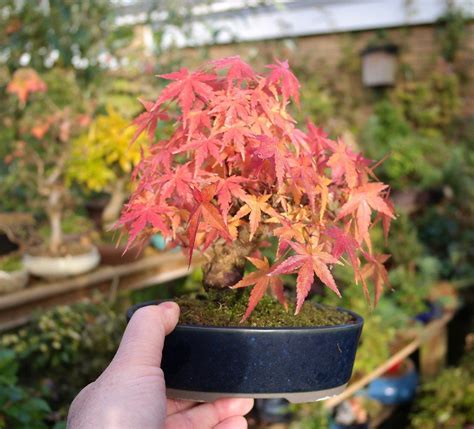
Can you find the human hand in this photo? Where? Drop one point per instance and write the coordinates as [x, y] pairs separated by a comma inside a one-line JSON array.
[[131, 394]]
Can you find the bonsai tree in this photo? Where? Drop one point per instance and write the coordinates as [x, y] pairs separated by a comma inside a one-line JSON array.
[[102, 159], [237, 172], [45, 116]]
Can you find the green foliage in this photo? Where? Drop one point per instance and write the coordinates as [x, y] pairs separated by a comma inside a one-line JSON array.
[[451, 32], [67, 347], [414, 160], [65, 33], [10, 263], [447, 402], [20, 408], [431, 105], [309, 416], [317, 103]]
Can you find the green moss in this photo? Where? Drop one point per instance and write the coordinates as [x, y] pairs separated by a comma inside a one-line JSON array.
[[227, 308]]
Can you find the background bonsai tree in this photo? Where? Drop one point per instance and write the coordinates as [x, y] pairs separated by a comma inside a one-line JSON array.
[[44, 116], [237, 172], [102, 160]]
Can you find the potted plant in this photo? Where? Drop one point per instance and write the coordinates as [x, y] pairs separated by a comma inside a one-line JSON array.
[[101, 161], [241, 183], [13, 275], [46, 116]]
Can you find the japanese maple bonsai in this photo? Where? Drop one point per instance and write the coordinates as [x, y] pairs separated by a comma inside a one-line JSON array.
[[236, 174], [44, 121]]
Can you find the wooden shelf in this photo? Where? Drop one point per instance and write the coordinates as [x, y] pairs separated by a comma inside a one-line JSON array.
[[16, 308]]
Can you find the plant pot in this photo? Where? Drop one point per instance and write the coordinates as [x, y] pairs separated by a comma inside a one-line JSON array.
[[112, 255], [61, 266], [6, 245], [395, 388], [11, 281], [94, 209], [203, 363], [434, 311]]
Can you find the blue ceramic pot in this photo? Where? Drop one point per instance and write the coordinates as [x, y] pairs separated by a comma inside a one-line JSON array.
[[434, 311], [391, 390], [305, 364]]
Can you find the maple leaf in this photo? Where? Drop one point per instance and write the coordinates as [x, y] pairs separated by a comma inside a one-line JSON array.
[[236, 136], [228, 188], [25, 82], [186, 87], [375, 269], [343, 161], [255, 205], [148, 120], [141, 212], [308, 261], [177, 182], [237, 69], [232, 106], [203, 148], [275, 149], [207, 213], [362, 201], [343, 243], [281, 73], [287, 232], [262, 279]]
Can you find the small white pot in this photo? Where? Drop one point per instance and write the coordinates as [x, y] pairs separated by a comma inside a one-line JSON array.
[[61, 266], [10, 281]]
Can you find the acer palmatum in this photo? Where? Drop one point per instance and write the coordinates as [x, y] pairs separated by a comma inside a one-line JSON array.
[[238, 171]]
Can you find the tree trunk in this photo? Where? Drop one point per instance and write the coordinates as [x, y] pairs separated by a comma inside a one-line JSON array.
[[54, 210], [225, 263], [114, 206]]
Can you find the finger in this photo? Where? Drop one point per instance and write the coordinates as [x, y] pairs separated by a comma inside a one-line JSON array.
[[176, 405], [236, 422], [142, 341], [207, 416]]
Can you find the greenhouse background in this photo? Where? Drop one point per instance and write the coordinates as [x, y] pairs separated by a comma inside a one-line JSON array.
[[393, 78]]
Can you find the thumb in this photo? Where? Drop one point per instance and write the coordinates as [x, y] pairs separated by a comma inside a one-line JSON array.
[[142, 341]]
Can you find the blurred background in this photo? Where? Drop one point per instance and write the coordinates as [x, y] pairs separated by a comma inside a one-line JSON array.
[[395, 78]]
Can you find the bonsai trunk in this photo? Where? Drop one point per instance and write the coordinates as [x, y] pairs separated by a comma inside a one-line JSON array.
[[118, 195], [225, 263], [54, 211]]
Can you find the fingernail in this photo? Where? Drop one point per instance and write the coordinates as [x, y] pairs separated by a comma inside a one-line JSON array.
[[169, 306]]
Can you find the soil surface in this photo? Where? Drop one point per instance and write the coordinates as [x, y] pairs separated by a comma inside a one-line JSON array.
[[227, 310], [73, 249]]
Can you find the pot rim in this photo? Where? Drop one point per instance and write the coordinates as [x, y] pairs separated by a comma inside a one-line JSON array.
[[358, 322]]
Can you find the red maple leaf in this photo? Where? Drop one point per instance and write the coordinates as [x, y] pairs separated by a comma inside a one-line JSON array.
[[308, 261], [262, 279], [186, 87], [343, 162], [203, 147], [237, 69], [228, 188], [362, 201], [281, 73], [207, 213], [148, 120], [344, 243], [277, 151]]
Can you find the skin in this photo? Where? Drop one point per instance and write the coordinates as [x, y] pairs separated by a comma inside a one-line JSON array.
[[131, 394]]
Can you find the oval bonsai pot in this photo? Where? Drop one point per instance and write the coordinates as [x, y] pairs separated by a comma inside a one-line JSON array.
[[61, 266], [11, 281], [203, 363]]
